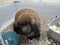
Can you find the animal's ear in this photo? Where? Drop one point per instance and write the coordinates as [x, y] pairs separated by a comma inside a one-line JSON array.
[[36, 29], [35, 26], [15, 28]]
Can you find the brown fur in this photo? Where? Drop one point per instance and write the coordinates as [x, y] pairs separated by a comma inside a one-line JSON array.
[[27, 14]]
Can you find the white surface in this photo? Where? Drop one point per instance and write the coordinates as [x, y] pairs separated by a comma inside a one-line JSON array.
[[52, 25], [54, 28], [6, 24], [7, 12], [51, 1]]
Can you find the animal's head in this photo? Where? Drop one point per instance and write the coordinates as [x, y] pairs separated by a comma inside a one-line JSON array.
[[25, 21], [23, 27]]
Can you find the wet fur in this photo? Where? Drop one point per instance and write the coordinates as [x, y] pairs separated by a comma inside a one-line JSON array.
[[29, 16]]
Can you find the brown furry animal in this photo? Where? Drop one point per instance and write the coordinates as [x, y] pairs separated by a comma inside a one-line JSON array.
[[27, 23]]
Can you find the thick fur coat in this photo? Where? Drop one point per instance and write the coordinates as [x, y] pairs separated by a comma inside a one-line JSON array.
[[29, 19]]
